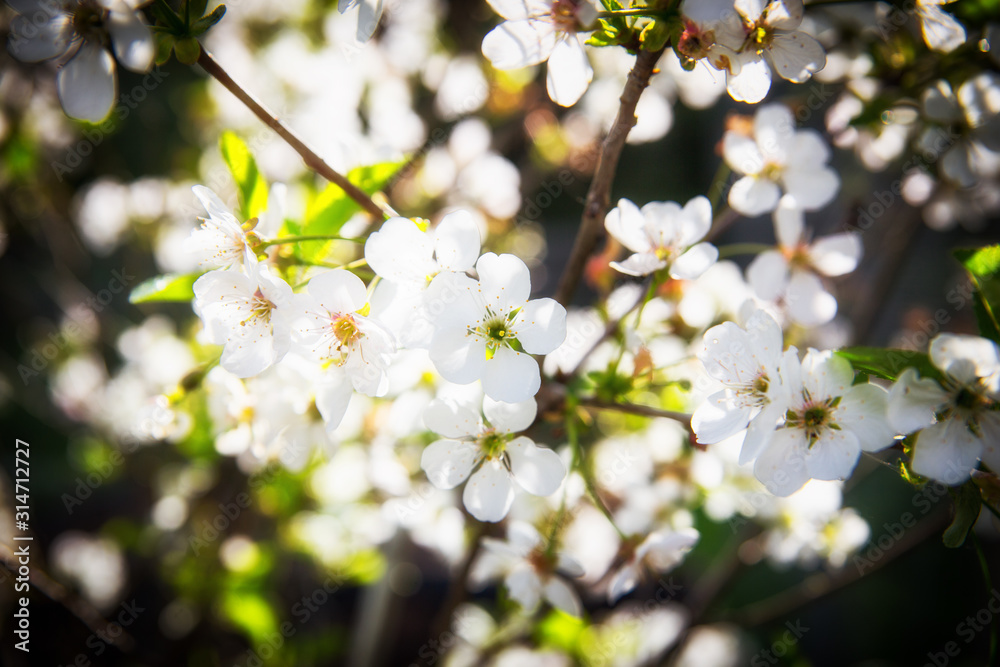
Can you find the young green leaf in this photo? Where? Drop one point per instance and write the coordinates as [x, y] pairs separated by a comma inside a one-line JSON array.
[[252, 187], [967, 505], [983, 266], [169, 287], [888, 363]]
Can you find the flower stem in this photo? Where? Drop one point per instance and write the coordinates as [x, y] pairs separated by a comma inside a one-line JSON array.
[[588, 475], [638, 11], [297, 239], [599, 196], [312, 160], [734, 249], [635, 409]]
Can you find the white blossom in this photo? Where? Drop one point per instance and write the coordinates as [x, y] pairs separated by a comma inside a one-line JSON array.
[[487, 449], [331, 326], [828, 422], [662, 234], [77, 33], [778, 157], [955, 419], [528, 570], [488, 329], [538, 30], [790, 274], [248, 313]]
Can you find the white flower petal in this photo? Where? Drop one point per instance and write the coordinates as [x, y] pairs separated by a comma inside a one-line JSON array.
[[541, 326], [400, 252], [812, 189], [132, 38], [788, 222], [760, 431], [524, 586], [768, 275], [863, 410], [753, 81], [32, 43], [781, 467], [504, 281], [715, 419], [510, 417], [458, 357], [624, 581], [626, 223], [511, 376], [639, 264], [836, 255], [834, 455], [913, 401], [369, 13], [333, 395], [753, 196], [807, 300], [451, 420], [941, 31], [951, 352], [339, 291], [516, 44], [569, 71], [489, 493], [796, 56], [946, 452], [447, 463], [87, 84], [741, 153], [456, 241], [537, 470], [561, 596], [694, 262]]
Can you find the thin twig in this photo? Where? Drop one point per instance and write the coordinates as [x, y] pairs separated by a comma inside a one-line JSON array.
[[821, 585], [313, 161], [635, 409], [79, 607], [599, 194]]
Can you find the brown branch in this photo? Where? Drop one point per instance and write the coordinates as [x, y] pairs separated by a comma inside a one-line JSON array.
[[823, 584], [313, 161], [635, 409], [79, 607], [599, 196]]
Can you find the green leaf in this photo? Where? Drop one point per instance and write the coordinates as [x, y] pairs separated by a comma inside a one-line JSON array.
[[250, 612], [252, 187], [169, 287], [205, 22], [888, 363], [329, 210], [967, 505], [983, 266], [187, 50]]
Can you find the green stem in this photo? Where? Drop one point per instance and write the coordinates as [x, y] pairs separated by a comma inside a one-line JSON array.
[[989, 591], [718, 182], [585, 471], [315, 237], [734, 249], [638, 11]]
